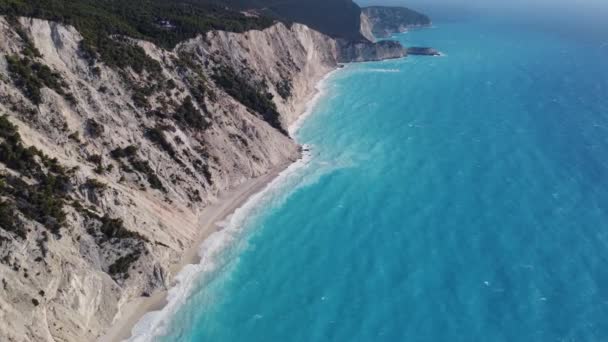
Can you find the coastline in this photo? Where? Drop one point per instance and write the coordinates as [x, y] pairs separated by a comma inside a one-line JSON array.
[[133, 311]]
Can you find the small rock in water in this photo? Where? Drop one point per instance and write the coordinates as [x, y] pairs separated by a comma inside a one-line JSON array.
[[422, 51]]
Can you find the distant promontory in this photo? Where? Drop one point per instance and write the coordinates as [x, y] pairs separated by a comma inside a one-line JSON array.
[[384, 20], [422, 51]]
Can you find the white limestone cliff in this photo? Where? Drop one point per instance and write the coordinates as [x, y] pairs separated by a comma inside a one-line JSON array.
[[68, 294]]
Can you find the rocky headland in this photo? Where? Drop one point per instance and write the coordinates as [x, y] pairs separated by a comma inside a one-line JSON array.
[[422, 51], [383, 21]]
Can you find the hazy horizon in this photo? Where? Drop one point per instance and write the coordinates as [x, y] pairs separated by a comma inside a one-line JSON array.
[[558, 15], [590, 5]]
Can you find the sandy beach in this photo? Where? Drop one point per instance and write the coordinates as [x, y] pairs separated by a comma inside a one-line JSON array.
[[133, 311]]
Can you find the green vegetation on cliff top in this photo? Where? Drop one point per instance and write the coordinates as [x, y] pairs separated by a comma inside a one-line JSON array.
[[336, 18], [163, 22]]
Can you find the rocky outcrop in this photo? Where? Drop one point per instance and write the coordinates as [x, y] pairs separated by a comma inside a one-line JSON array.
[[422, 51], [367, 51], [125, 160], [386, 20], [366, 28]]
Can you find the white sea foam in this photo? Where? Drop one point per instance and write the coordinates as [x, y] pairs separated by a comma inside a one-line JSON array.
[[155, 323], [310, 105], [381, 70]]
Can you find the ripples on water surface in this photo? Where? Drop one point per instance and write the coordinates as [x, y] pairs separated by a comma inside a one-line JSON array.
[[460, 198]]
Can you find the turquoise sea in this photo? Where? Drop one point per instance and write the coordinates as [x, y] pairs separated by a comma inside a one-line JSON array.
[[454, 198]]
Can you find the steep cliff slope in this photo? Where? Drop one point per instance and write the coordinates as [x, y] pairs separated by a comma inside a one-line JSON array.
[[385, 20], [350, 51], [366, 28], [104, 170]]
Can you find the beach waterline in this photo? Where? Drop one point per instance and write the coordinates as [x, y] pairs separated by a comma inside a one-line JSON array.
[[146, 318], [459, 199]]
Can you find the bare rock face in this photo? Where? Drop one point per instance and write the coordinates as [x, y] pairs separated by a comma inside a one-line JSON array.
[[104, 170], [139, 155], [368, 51], [292, 59], [366, 28]]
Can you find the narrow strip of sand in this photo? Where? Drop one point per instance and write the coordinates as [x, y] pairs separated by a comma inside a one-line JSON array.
[[133, 311]]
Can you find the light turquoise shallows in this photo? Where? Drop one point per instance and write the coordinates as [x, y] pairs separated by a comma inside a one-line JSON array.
[[456, 198]]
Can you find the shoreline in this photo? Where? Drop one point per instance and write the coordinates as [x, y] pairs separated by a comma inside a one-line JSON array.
[[133, 311]]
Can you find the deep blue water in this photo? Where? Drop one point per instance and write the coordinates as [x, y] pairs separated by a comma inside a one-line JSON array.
[[459, 198]]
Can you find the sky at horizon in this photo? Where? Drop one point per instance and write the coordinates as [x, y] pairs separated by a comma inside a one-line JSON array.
[[592, 8], [567, 16]]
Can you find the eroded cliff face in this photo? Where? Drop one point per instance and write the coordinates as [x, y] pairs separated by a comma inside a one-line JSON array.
[[368, 51], [294, 58], [140, 154], [366, 28], [105, 169]]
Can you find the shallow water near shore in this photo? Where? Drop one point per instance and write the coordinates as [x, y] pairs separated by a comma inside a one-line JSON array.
[[455, 198]]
